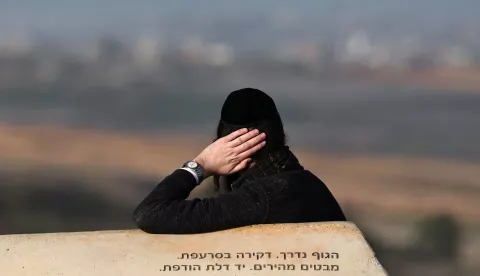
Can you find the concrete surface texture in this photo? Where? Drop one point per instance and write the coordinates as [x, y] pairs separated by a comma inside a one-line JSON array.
[[281, 249]]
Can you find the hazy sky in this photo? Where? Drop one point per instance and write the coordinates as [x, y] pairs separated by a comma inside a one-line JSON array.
[[91, 17]]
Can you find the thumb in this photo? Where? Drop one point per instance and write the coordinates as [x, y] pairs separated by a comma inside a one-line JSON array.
[[242, 165]]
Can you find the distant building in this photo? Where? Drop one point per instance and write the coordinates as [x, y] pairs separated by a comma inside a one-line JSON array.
[[110, 50], [358, 48], [192, 50], [305, 53], [195, 50], [220, 54], [421, 61], [146, 51], [19, 44], [456, 57]]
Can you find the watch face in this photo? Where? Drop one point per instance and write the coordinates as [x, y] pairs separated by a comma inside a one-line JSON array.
[[192, 165]]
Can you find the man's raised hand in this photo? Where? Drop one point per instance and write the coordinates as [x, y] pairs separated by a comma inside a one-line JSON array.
[[231, 153]]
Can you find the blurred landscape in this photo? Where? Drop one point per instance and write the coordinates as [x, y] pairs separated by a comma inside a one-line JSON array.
[[380, 99]]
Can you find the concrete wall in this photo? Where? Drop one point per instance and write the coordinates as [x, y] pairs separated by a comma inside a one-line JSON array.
[[282, 249]]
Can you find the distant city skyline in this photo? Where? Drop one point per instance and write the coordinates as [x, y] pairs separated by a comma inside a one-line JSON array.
[[137, 37]]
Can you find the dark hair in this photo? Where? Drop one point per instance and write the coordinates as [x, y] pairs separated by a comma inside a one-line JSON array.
[[273, 128]]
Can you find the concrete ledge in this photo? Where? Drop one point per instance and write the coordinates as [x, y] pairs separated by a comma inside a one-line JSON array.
[[281, 249]]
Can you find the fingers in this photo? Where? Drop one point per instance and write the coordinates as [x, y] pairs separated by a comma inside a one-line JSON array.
[[242, 165], [251, 151], [252, 142], [243, 138], [235, 134]]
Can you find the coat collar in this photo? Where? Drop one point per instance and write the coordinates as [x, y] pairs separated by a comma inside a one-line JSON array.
[[277, 161]]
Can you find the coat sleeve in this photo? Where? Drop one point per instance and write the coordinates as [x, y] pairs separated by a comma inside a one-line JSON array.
[[166, 211]]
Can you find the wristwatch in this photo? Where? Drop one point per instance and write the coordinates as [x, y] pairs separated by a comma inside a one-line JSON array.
[[196, 168]]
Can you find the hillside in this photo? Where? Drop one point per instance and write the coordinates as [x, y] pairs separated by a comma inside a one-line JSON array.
[[390, 184]]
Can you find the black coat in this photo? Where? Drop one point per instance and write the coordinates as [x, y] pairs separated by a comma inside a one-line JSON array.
[[287, 195]]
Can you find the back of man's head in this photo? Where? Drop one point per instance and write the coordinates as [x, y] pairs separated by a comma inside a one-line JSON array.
[[253, 109]]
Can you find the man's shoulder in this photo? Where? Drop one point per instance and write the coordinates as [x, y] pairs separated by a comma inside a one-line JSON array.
[[297, 173], [294, 176]]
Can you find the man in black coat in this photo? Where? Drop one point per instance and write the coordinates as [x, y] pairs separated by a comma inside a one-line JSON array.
[[267, 182]]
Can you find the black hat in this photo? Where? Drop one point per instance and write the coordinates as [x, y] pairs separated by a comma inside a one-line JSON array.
[[248, 106], [253, 109]]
